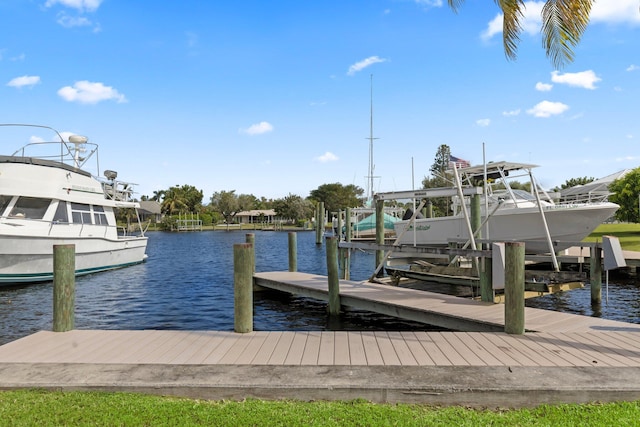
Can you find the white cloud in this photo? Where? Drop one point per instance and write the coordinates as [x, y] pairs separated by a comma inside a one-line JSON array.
[[24, 81], [429, 3], [511, 113], [81, 5], [548, 109], [73, 21], [258, 128], [483, 122], [543, 87], [359, 66], [583, 79], [615, 11], [86, 92], [327, 157], [633, 67]]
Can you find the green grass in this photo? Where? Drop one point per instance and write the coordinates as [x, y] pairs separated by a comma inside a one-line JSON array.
[[628, 233], [43, 408]]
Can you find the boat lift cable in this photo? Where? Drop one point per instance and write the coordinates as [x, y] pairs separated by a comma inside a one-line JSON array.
[[554, 259]]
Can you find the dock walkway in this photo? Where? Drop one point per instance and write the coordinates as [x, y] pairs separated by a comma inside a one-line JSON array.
[[446, 311], [572, 359]]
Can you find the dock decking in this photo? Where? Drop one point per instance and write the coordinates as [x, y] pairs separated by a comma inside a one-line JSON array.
[[446, 311], [571, 359]]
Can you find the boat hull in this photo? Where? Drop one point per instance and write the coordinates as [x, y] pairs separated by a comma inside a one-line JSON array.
[[567, 224], [30, 259]]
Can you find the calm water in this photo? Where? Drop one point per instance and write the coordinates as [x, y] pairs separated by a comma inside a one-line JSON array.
[[187, 284]]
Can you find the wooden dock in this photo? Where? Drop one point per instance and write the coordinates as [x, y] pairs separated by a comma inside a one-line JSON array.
[[440, 368], [446, 311], [569, 359]]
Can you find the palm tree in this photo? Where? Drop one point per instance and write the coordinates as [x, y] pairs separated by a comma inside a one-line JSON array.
[[563, 24], [173, 201]]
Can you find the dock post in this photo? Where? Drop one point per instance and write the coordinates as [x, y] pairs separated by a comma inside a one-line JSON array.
[[243, 287], [486, 279], [514, 288], [332, 276], [319, 222], [595, 274], [379, 234], [347, 238], [293, 251], [64, 287], [251, 238]]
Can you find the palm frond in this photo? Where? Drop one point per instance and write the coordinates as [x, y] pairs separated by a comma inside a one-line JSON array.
[[563, 24], [512, 11]]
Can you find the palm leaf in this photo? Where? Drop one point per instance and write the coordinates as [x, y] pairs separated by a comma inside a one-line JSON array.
[[563, 24]]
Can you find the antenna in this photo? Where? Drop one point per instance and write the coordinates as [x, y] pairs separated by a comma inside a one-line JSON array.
[[371, 138]]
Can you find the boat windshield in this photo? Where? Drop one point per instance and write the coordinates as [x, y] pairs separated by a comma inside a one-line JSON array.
[[519, 195]]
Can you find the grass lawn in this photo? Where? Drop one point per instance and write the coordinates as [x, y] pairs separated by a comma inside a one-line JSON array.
[[628, 233], [42, 408]]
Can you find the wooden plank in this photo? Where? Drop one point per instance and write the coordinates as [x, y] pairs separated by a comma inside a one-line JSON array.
[[357, 355], [311, 349], [493, 355], [199, 344], [431, 347], [280, 352], [478, 347], [252, 349], [447, 349], [217, 352], [236, 350], [558, 352], [326, 352], [420, 355], [214, 339], [405, 356], [387, 351], [587, 350], [267, 349], [341, 348], [371, 349], [609, 343], [296, 351], [519, 349]]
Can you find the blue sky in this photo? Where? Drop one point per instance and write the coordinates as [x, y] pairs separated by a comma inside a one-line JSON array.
[[272, 98]]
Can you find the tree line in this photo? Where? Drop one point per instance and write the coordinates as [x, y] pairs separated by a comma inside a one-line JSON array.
[[223, 206]]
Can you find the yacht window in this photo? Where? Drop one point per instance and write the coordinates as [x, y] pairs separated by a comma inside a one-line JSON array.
[[4, 202], [61, 213], [30, 207], [99, 216], [80, 214]]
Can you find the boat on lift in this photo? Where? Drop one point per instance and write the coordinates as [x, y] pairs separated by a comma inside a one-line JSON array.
[[48, 198], [508, 214]]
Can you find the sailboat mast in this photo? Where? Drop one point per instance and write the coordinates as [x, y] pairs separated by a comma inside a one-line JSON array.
[[371, 138]]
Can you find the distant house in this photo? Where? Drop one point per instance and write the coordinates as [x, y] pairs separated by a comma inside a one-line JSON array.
[[256, 216], [592, 192], [150, 210]]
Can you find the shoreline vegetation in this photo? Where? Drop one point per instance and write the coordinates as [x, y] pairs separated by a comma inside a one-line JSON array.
[[628, 233], [53, 408]]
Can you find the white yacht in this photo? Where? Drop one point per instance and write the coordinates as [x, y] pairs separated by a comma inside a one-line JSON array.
[[509, 214], [50, 199]]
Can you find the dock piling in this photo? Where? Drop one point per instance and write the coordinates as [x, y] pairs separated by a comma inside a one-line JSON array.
[[379, 235], [514, 288], [332, 276], [595, 274], [64, 287], [293, 251], [243, 287]]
